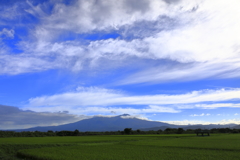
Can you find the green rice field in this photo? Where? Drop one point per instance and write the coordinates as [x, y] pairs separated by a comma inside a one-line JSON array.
[[123, 147]]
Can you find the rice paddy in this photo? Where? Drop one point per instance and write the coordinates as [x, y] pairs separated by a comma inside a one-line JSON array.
[[124, 147]]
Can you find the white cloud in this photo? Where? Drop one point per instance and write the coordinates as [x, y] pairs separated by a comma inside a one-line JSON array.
[[95, 110], [205, 105], [194, 115], [135, 116], [101, 96], [184, 44], [236, 114], [195, 122], [9, 13], [160, 109], [85, 16], [187, 122], [203, 114], [217, 105], [186, 72], [8, 33], [23, 63], [86, 100], [228, 121]]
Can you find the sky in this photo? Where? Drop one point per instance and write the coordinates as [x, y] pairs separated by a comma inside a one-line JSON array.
[[174, 61]]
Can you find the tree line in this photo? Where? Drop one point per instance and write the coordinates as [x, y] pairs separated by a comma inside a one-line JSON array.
[[126, 131]]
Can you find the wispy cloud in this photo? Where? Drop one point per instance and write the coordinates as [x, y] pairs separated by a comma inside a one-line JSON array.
[[217, 105], [203, 114], [187, 72], [23, 63], [194, 122], [118, 110], [101, 96], [8, 33], [86, 99], [9, 12]]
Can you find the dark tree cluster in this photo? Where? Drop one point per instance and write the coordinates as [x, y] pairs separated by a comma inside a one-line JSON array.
[[126, 131]]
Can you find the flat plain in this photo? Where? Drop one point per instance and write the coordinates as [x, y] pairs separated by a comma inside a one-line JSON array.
[[123, 147]]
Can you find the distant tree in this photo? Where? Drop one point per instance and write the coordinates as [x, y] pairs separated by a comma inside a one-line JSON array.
[[138, 131], [76, 132], [235, 131], [180, 131], [65, 133], [168, 130], [159, 131], [225, 130], [127, 130], [197, 130]]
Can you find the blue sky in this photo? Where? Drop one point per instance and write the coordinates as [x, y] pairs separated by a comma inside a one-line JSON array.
[[176, 61]]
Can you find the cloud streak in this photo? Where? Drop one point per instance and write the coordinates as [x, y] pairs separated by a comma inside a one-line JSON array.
[[203, 114], [190, 72], [100, 96], [7, 33], [197, 122], [100, 100]]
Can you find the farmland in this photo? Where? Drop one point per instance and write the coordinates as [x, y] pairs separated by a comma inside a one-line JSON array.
[[129, 147]]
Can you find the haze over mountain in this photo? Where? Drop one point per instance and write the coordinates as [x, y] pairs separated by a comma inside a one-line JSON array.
[[98, 123]]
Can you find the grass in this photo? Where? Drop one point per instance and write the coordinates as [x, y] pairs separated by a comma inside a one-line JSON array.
[[72, 139], [127, 152], [141, 147]]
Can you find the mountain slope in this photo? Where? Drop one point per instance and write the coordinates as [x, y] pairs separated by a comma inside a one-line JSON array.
[[103, 124]]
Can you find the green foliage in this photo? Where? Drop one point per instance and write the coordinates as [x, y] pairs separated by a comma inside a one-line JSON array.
[[180, 131], [127, 152], [223, 147], [9, 151], [127, 130], [123, 147]]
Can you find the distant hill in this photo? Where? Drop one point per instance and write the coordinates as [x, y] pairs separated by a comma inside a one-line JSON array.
[[199, 126], [103, 124], [160, 128], [210, 126], [236, 127]]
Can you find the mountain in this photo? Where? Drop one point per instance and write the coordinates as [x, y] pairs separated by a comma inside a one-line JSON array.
[[121, 122], [104, 124]]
